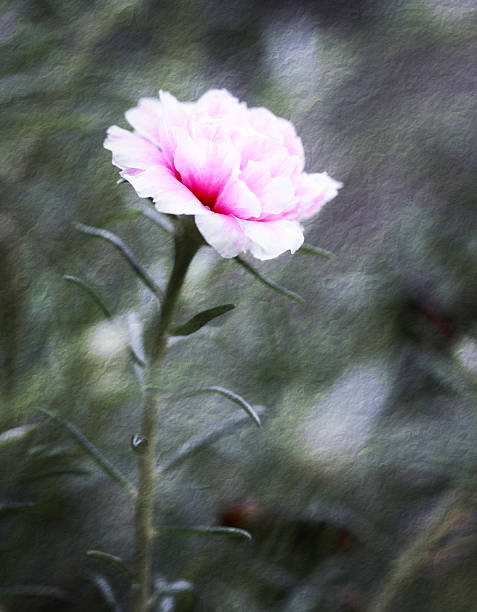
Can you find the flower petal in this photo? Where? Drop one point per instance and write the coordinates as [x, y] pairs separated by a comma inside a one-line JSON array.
[[313, 192], [205, 166], [145, 117], [275, 194], [268, 239], [173, 125], [169, 194], [130, 150], [218, 102], [222, 232], [237, 199]]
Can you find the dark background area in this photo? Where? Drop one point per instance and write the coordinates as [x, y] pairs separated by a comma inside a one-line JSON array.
[[360, 487]]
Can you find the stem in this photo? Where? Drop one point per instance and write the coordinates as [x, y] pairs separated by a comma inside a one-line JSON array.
[[186, 245]]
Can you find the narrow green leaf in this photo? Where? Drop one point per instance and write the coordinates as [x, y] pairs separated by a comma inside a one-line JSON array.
[[163, 589], [106, 312], [106, 591], [193, 445], [91, 292], [145, 211], [13, 507], [201, 319], [16, 434], [129, 213], [47, 452], [54, 473], [94, 453], [34, 590], [116, 562], [313, 250], [232, 532], [234, 397], [269, 283], [125, 252], [152, 214], [172, 588]]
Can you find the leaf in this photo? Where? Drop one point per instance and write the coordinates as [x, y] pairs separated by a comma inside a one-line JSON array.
[[16, 434], [125, 252], [13, 507], [94, 453], [197, 442], [152, 214], [172, 588], [80, 283], [106, 591], [234, 397], [116, 562], [269, 283], [164, 589], [55, 473], [91, 292], [313, 250], [47, 452], [34, 590], [121, 215], [233, 532], [146, 211], [201, 319]]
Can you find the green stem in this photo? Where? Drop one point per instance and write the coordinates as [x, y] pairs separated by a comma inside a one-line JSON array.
[[186, 245]]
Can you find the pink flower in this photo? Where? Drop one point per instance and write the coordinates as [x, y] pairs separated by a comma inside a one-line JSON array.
[[238, 170]]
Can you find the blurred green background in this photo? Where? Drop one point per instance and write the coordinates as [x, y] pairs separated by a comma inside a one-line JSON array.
[[360, 487]]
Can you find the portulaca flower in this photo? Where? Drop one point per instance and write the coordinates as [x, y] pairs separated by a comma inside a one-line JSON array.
[[238, 170]]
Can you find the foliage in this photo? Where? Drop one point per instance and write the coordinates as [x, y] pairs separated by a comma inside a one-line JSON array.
[[357, 490]]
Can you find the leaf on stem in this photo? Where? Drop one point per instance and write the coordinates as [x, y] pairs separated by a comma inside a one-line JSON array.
[[125, 252], [106, 591], [91, 292], [116, 562], [313, 250], [173, 588], [201, 319], [232, 532], [234, 397], [197, 442], [47, 452], [35, 590], [152, 214], [13, 507], [94, 453], [16, 434], [167, 590], [54, 473], [128, 213], [269, 283], [145, 211], [106, 312]]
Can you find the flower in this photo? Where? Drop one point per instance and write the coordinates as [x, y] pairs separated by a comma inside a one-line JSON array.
[[238, 170]]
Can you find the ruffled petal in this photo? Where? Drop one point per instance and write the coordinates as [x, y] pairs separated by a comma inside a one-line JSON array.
[[237, 199], [217, 102], [174, 112], [169, 194], [312, 193], [145, 118], [173, 125], [268, 239], [130, 150], [205, 166], [222, 232], [275, 194]]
